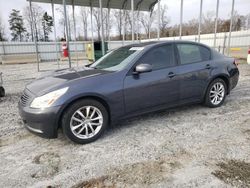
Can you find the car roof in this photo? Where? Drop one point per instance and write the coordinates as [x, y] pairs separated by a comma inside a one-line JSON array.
[[155, 43]]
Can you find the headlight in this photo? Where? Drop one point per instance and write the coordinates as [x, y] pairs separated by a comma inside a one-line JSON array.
[[47, 100]]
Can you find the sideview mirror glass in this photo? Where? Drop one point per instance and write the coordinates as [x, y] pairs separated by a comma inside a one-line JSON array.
[[143, 68]]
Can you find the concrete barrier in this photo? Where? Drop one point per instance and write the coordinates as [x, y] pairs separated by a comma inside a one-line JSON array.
[[19, 59]]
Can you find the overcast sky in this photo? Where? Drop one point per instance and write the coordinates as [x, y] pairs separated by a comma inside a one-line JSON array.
[[191, 8]]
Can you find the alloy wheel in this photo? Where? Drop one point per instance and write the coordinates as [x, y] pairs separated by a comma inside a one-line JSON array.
[[86, 122], [217, 93]]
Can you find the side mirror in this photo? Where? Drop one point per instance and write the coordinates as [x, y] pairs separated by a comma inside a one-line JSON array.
[[141, 68]]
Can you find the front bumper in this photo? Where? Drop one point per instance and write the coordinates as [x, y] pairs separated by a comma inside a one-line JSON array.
[[43, 122]]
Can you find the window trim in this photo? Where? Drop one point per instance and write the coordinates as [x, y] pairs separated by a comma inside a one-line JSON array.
[[175, 59], [195, 44]]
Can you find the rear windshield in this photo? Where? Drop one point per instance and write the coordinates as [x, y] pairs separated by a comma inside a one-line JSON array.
[[217, 55]]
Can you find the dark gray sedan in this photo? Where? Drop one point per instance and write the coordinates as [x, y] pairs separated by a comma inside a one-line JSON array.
[[126, 82]]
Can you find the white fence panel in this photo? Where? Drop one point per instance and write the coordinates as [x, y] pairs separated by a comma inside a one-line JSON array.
[[48, 52]]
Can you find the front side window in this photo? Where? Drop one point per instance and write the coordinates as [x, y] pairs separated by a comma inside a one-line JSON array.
[[159, 57], [191, 53], [118, 59]]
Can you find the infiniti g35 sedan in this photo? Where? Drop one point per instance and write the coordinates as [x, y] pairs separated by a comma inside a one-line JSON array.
[[126, 82]]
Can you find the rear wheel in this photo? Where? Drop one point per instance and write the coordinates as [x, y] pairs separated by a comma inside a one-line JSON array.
[[216, 93], [2, 91], [85, 121]]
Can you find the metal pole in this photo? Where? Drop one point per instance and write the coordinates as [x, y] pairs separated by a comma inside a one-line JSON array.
[[35, 41], [108, 25], [123, 28], [91, 19], [67, 29], [181, 19], [133, 21], [149, 29], [102, 27], [92, 32], [230, 30], [200, 19], [224, 43], [159, 20], [138, 26], [216, 22], [74, 22], [3, 48], [54, 24]]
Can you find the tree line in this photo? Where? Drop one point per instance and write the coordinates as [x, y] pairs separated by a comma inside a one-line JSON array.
[[22, 29], [116, 22]]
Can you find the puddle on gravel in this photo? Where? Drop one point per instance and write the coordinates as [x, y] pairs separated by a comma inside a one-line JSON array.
[[234, 172]]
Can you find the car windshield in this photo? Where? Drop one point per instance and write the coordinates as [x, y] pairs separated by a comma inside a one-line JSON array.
[[117, 59]]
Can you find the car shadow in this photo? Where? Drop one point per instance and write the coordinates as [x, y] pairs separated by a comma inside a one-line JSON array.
[[138, 120]]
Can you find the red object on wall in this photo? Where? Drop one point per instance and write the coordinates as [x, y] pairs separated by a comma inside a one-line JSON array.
[[65, 50]]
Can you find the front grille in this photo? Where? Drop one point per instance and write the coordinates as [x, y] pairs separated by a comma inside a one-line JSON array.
[[25, 98]]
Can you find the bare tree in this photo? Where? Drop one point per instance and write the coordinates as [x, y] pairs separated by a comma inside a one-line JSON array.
[[37, 18], [97, 22], [164, 21], [239, 21], [208, 22], [128, 22], [247, 24], [107, 20], [62, 21], [147, 20], [118, 15], [84, 14], [2, 30]]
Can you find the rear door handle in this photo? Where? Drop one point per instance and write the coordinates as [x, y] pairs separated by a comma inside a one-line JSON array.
[[208, 66], [171, 75]]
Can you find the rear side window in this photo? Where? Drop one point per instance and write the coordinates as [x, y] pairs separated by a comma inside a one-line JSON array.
[[191, 53], [159, 57]]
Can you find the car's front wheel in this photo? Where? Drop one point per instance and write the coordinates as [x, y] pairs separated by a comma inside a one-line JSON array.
[[85, 121], [216, 93]]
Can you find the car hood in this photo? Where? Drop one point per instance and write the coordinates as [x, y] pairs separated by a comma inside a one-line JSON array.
[[52, 79]]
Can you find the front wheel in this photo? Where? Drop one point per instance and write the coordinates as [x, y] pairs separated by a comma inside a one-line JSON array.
[[85, 121], [216, 93]]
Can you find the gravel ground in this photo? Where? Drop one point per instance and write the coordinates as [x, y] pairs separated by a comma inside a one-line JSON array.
[[191, 146]]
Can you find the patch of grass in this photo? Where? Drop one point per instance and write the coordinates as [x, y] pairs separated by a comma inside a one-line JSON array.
[[234, 172]]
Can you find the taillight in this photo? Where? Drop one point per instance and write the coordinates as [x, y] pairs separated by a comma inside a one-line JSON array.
[[249, 51]]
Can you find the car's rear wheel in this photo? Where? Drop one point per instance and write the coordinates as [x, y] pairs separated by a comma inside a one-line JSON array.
[[2, 91], [216, 93], [85, 121]]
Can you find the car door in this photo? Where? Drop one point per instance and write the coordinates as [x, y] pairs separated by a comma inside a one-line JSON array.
[[158, 87], [194, 70]]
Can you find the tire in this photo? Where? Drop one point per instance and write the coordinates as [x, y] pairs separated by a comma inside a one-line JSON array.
[[2, 91], [212, 91], [80, 131]]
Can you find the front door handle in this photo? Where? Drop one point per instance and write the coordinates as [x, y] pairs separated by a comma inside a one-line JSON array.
[[208, 66], [171, 75]]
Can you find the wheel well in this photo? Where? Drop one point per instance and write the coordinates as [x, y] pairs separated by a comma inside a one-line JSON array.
[[225, 79], [103, 102]]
